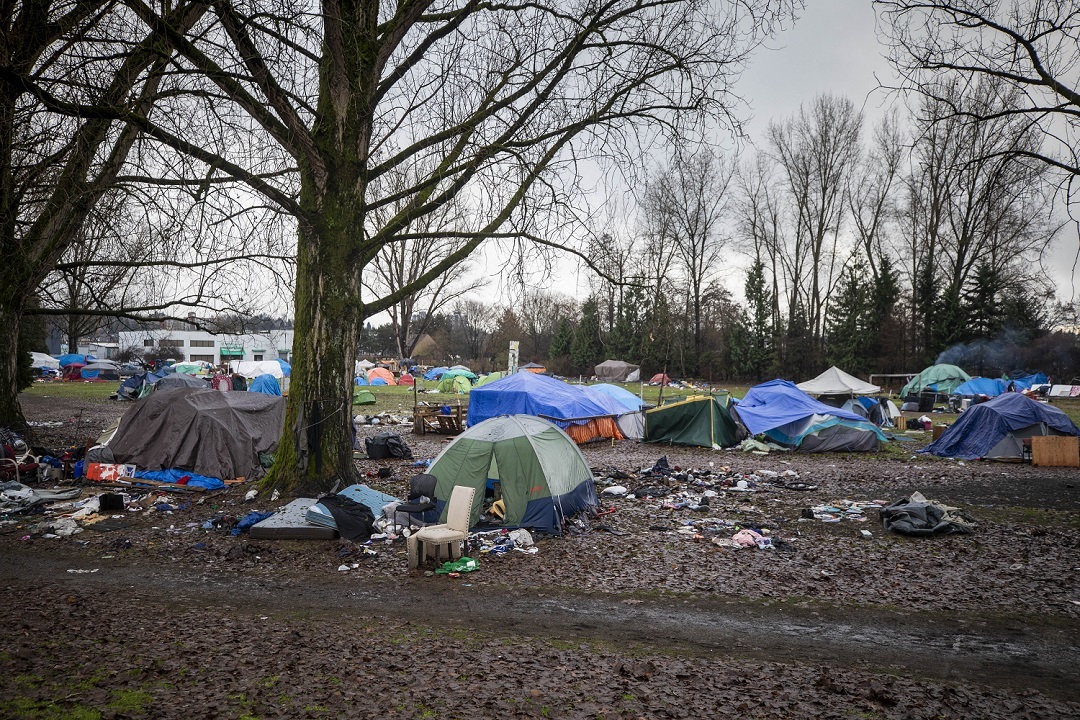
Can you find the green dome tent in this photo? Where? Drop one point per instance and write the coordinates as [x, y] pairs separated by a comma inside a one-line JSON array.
[[542, 474], [362, 396], [490, 378], [936, 378], [454, 384]]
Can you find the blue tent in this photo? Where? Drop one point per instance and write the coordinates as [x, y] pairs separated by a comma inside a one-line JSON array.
[[532, 394], [71, 359], [996, 428], [990, 387], [435, 373], [378, 381], [286, 368], [626, 398], [266, 384], [790, 417], [361, 380]]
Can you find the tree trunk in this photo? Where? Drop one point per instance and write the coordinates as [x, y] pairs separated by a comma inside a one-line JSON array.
[[11, 310], [316, 448]]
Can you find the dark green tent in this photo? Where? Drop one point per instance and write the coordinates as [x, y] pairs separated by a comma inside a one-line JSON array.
[[703, 420], [363, 396]]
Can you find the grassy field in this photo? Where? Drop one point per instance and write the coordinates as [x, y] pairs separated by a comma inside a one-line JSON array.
[[399, 400]]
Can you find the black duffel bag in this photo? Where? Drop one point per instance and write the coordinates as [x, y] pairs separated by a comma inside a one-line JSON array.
[[385, 445]]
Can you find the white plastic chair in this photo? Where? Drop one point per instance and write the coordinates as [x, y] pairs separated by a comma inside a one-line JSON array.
[[453, 534]]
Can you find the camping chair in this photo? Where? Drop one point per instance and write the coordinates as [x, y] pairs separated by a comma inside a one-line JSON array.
[[454, 534], [420, 508]]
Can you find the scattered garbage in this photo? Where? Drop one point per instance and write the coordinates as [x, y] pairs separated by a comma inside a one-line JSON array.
[[455, 567]]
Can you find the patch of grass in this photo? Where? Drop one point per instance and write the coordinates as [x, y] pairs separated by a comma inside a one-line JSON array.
[[97, 391], [28, 709], [269, 681], [130, 701]]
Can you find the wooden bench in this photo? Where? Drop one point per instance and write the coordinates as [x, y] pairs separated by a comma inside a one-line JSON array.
[[432, 419]]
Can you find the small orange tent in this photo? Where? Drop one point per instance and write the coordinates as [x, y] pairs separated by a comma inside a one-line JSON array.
[[383, 373]]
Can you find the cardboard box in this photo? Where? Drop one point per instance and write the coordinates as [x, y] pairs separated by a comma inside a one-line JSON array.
[[1055, 451], [108, 472]]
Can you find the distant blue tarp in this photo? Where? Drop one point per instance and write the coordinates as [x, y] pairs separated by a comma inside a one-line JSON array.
[[266, 384], [622, 395], [983, 426], [527, 393], [286, 368], [990, 387], [71, 359], [1024, 382], [435, 373]]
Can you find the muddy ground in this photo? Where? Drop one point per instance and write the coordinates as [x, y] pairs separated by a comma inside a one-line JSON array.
[[642, 615]]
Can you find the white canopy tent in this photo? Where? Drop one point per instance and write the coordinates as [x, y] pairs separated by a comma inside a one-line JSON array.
[[835, 381], [252, 369], [41, 360]]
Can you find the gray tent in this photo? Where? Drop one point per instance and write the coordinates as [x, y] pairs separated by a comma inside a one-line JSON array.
[[614, 371], [180, 380], [210, 432]]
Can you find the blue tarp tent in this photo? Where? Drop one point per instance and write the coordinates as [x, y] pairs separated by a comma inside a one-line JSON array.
[[286, 368], [624, 397], [266, 384], [361, 380], [996, 428], [435, 373], [378, 381], [790, 417], [532, 394], [990, 387]]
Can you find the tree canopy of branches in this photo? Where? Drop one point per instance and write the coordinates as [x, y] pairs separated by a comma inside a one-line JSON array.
[[1030, 46]]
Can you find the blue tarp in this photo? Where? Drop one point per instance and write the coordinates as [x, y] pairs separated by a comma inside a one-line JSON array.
[[378, 381], [435, 373], [286, 368], [990, 387], [778, 402], [622, 395], [266, 384], [175, 475], [983, 426], [530, 394], [71, 359], [1024, 382]]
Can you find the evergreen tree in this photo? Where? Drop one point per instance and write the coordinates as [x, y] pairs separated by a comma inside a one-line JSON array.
[[759, 329], [849, 320], [586, 348], [984, 314]]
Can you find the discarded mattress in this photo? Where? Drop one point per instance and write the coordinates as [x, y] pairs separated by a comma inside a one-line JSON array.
[[319, 514], [916, 515], [291, 523]]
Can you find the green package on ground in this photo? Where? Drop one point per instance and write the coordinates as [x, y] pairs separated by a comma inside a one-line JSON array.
[[464, 564]]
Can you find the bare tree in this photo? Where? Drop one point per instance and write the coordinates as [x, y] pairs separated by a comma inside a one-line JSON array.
[[1032, 46], [692, 193], [817, 150], [499, 103]]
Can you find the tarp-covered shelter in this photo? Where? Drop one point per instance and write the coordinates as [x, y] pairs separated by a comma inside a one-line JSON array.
[[614, 370], [252, 369], [192, 368], [435, 373], [543, 477], [835, 381], [381, 373], [990, 387], [454, 384], [267, 384], [936, 378], [71, 359], [138, 385], [660, 378], [100, 370], [1025, 382], [998, 427], [214, 433], [43, 361], [703, 421], [177, 380], [286, 368], [532, 367], [790, 417], [460, 371], [623, 396], [581, 415], [73, 371]]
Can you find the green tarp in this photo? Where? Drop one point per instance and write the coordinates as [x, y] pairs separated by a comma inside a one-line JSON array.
[[703, 421], [936, 378]]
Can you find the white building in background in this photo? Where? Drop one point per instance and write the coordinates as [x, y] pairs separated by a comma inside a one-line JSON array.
[[196, 345]]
